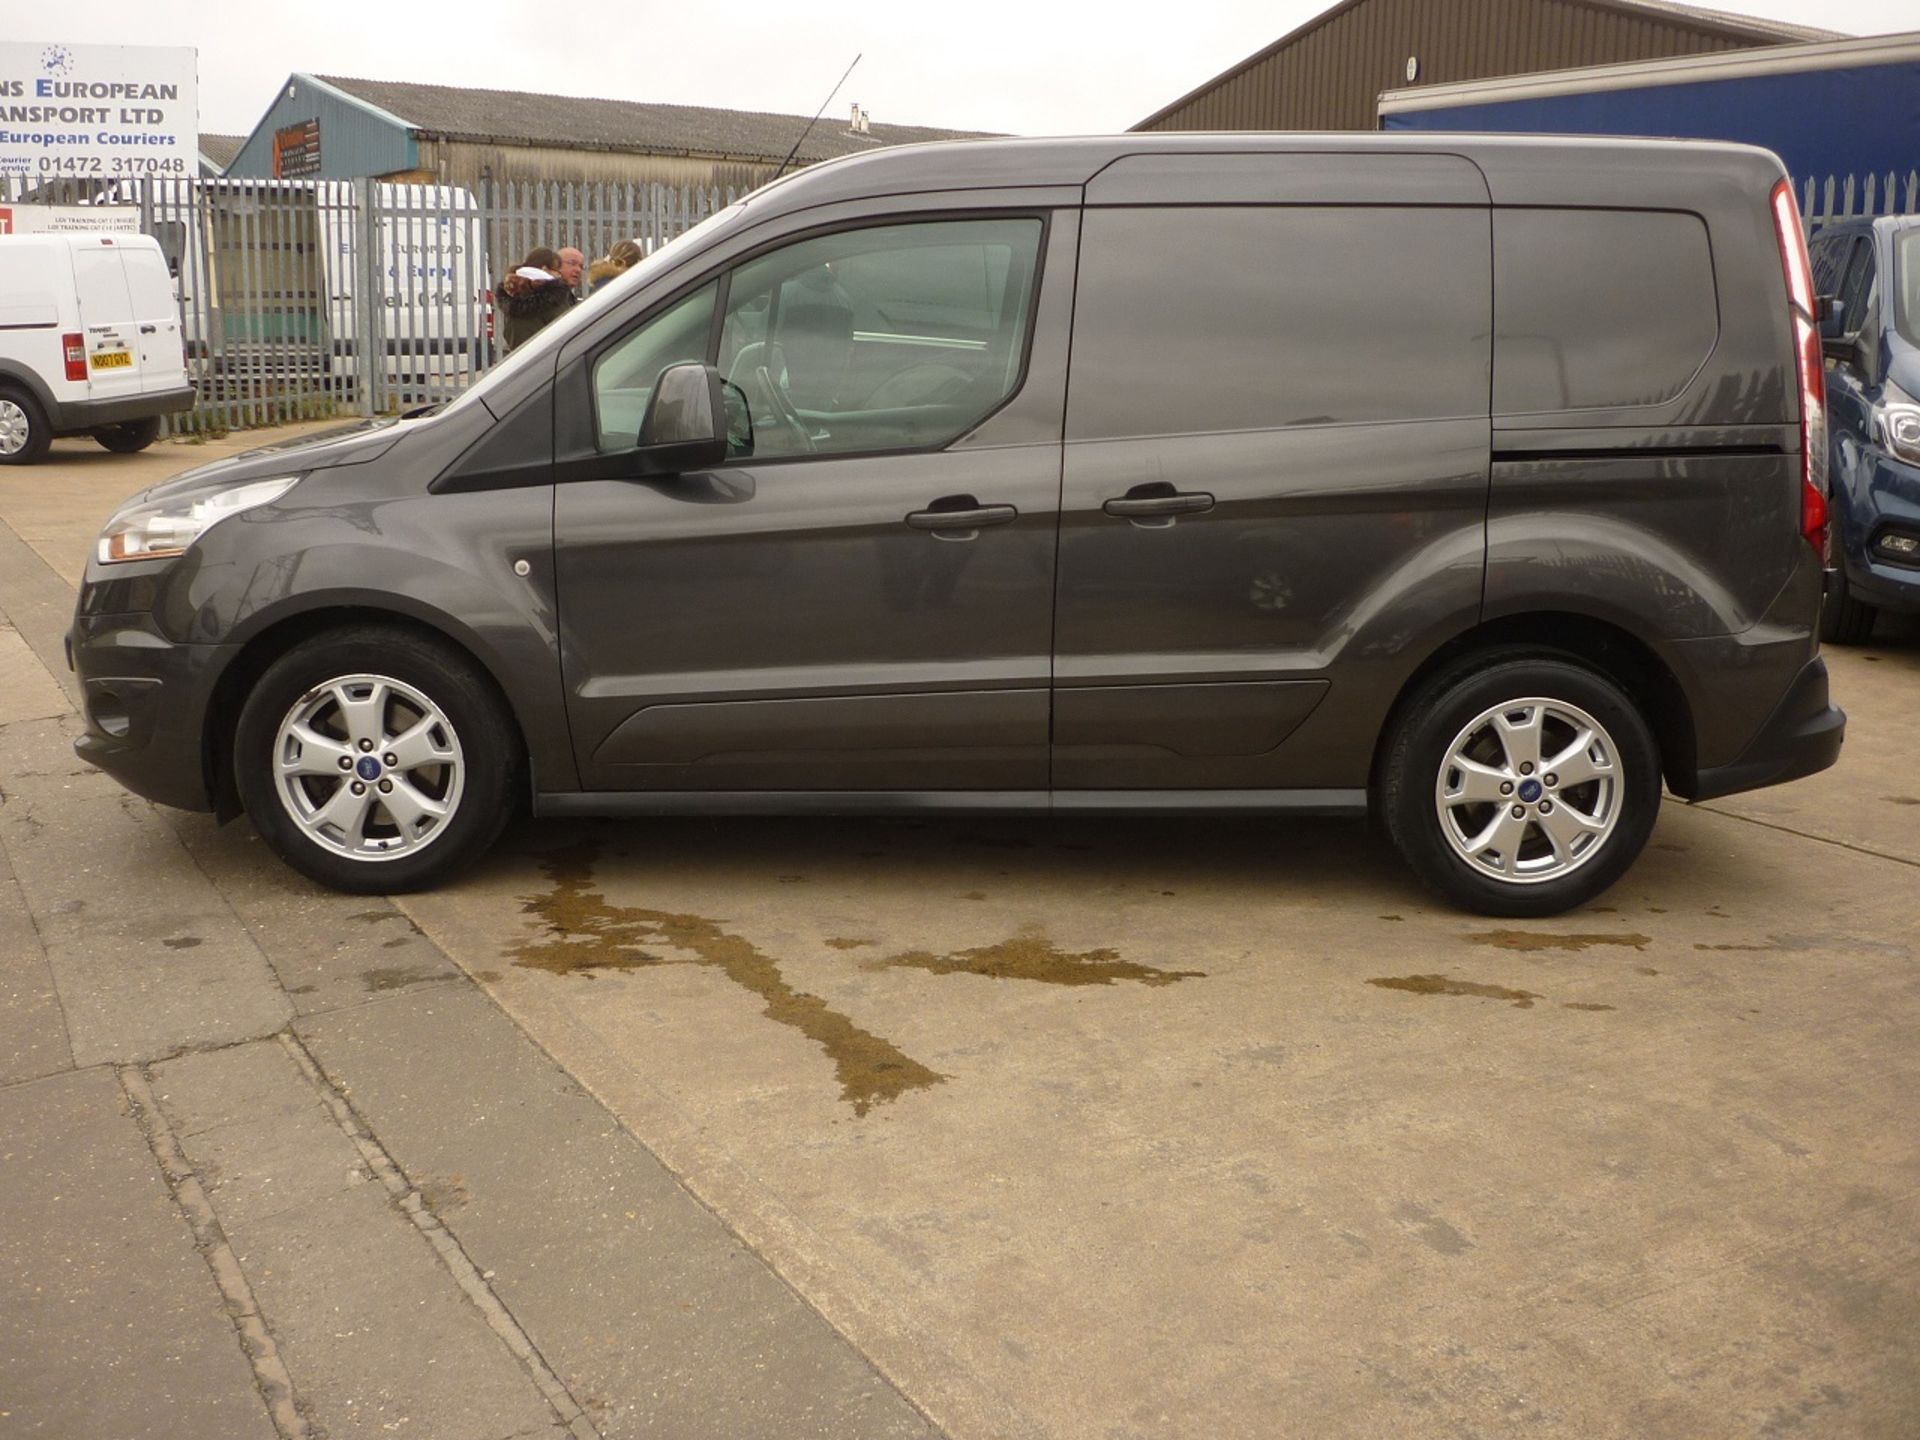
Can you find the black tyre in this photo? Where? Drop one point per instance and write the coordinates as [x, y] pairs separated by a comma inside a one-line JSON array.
[[377, 760], [1520, 783], [1843, 619], [24, 432], [130, 436]]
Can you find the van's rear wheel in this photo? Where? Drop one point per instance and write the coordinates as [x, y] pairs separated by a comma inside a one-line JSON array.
[[1521, 787], [129, 436], [24, 432], [375, 760]]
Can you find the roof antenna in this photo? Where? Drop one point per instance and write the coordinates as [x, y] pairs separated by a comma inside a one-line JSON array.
[[816, 120]]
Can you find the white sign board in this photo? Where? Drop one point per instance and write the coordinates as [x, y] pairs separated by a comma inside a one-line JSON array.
[[97, 112], [69, 219]]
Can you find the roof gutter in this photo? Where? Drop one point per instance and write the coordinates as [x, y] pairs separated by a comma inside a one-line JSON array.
[[1639, 74]]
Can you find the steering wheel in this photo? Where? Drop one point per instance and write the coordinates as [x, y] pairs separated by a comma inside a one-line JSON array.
[[783, 407]]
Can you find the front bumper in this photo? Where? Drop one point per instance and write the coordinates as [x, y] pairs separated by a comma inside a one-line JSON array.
[[1801, 737], [145, 700], [1887, 499]]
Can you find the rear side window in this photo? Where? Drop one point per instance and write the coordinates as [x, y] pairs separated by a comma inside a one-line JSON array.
[[1599, 309], [1190, 320]]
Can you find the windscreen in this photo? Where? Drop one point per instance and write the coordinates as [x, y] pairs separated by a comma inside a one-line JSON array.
[[1906, 285]]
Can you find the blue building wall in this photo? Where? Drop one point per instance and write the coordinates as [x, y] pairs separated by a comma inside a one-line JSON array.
[[1819, 122], [356, 138]]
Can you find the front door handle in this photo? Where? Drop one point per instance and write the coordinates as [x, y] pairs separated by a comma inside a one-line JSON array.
[[953, 513], [1137, 507], [149, 329]]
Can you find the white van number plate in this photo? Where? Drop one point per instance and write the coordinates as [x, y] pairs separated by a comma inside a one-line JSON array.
[[109, 359]]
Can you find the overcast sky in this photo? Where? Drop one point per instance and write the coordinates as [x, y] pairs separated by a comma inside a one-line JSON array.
[[1005, 65]]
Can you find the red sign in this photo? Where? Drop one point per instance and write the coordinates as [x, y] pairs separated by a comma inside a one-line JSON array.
[[296, 150]]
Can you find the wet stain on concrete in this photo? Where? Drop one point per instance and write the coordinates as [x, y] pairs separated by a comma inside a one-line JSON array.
[[1902, 799], [1581, 1005], [842, 942], [181, 942], [396, 942], [395, 979], [1668, 845], [1751, 949], [1773, 1135], [442, 1193], [1434, 1232], [793, 879], [1442, 985], [1540, 940], [373, 917], [1393, 917], [1645, 970], [1032, 955], [974, 895], [584, 932], [301, 989]]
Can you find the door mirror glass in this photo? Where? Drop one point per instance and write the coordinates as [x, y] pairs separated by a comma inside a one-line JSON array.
[[684, 426], [1833, 318]]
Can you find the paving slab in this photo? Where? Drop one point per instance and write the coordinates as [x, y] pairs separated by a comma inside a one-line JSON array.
[[33, 1031], [654, 1315], [377, 1336], [148, 956], [112, 1325]]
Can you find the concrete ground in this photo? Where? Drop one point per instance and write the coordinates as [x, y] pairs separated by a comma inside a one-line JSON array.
[[1129, 1128]]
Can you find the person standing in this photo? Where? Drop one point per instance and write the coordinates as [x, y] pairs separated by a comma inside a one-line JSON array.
[[621, 258], [533, 297]]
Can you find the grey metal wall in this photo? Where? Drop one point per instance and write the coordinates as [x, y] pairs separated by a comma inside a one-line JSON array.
[[355, 139], [463, 162], [1328, 76]]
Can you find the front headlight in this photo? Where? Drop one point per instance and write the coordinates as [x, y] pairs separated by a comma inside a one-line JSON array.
[[1896, 425], [168, 527]]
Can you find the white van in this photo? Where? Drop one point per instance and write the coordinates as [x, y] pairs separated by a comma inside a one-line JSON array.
[[89, 342]]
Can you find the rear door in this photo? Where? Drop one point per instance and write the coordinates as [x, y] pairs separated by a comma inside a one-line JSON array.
[[107, 320], [156, 319], [1276, 462]]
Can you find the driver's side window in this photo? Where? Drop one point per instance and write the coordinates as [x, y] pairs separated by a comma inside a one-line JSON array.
[[623, 377], [897, 337]]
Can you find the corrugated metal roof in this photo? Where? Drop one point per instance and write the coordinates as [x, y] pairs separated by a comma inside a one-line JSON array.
[[512, 116], [220, 149], [1611, 30]]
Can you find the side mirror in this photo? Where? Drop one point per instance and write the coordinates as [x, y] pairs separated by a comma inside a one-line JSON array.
[[1833, 317], [685, 426]]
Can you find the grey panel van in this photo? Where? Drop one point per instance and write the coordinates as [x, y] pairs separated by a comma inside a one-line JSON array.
[[1475, 483]]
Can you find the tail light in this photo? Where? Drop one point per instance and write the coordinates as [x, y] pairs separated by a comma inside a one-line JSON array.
[[1810, 365], [75, 347]]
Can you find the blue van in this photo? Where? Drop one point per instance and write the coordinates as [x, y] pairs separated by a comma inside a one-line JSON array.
[[1868, 274]]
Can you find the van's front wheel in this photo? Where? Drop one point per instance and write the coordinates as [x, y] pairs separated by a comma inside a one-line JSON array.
[[1523, 787], [129, 437], [24, 433], [376, 760]]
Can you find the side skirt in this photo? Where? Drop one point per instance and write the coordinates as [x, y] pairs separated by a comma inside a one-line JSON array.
[[623, 803]]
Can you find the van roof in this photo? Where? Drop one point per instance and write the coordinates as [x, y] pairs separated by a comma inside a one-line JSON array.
[[1013, 163]]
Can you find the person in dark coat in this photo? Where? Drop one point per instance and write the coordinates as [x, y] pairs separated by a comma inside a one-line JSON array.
[[532, 297]]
